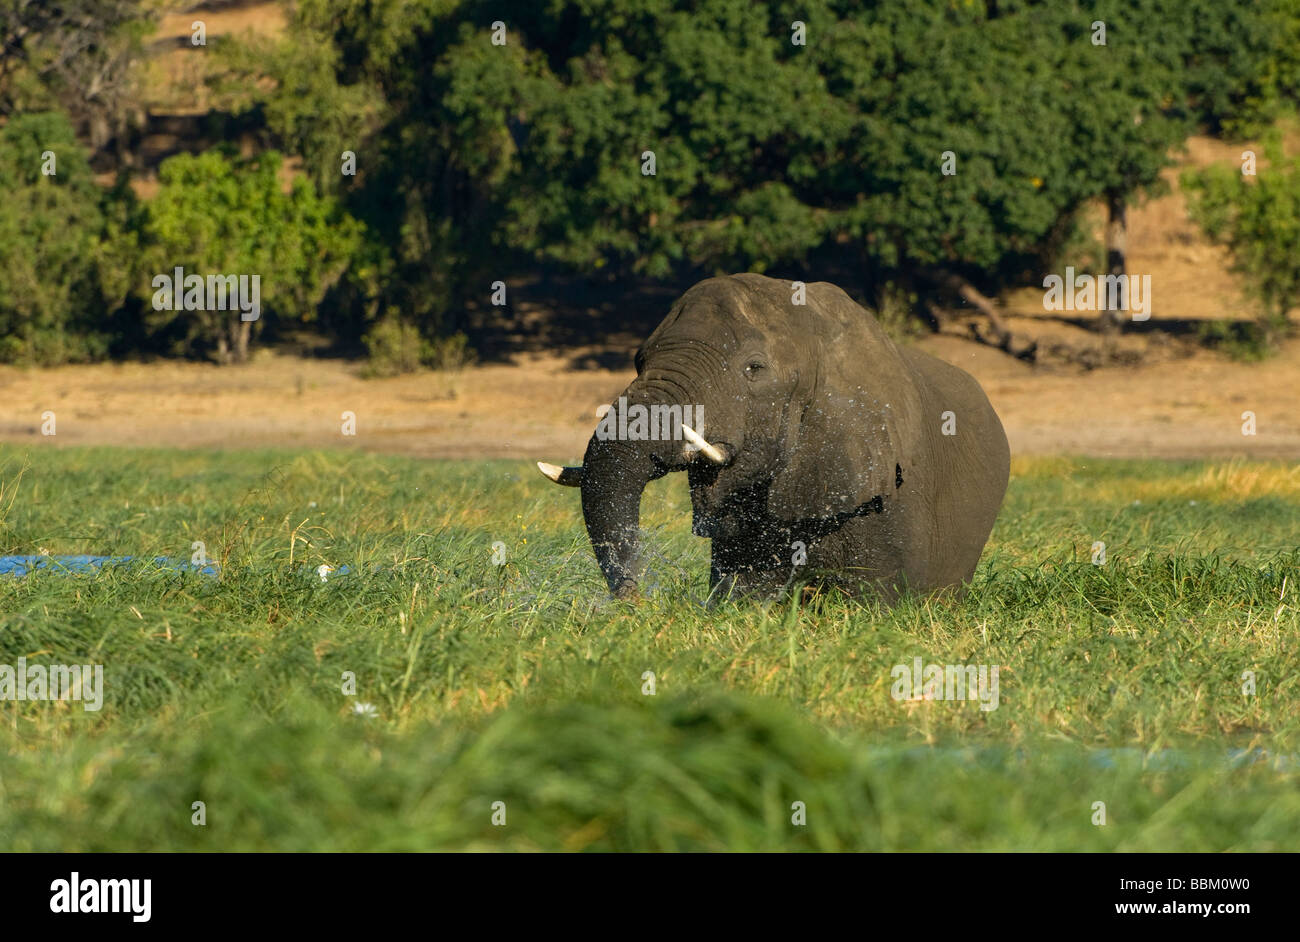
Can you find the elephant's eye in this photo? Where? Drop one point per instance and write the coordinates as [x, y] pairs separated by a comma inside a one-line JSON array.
[[754, 367]]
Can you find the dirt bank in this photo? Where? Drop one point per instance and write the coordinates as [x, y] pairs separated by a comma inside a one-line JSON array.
[[541, 407]]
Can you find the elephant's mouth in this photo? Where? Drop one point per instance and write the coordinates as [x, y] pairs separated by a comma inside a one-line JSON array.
[[717, 502], [684, 456], [613, 475], [712, 522]]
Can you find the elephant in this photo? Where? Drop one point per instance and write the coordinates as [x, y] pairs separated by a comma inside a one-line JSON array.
[[821, 452]]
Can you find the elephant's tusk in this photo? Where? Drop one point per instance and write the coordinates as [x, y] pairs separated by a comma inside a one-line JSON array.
[[569, 477], [712, 452]]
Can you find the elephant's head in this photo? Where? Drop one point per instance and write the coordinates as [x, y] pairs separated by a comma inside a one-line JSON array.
[[796, 412]]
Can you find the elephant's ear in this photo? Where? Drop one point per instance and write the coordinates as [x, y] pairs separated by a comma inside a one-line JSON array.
[[855, 435]]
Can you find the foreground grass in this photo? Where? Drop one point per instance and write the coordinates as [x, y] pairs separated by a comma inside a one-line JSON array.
[[522, 683]]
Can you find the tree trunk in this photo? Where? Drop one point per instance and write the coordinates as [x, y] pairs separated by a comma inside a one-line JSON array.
[[1116, 246], [243, 331], [1001, 337], [972, 296], [238, 332]]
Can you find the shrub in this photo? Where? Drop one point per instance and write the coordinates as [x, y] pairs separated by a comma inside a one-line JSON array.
[[51, 226], [396, 346], [216, 214], [1258, 219]]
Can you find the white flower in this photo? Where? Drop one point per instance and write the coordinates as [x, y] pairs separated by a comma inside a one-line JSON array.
[[365, 710]]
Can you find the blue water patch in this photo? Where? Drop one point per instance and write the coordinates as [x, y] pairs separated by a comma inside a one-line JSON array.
[[74, 565], [1161, 760], [23, 565], [1170, 759]]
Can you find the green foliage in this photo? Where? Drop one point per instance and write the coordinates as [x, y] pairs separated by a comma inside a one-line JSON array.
[[766, 153], [1245, 341], [77, 57], [219, 215], [1242, 93], [1258, 219], [316, 115], [895, 313], [711, 772], [474, 160], [522, 683], [450, 354], [395, 347], [51, 234]]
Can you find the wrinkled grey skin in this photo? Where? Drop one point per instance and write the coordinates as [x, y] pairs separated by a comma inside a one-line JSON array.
[[833, 437]]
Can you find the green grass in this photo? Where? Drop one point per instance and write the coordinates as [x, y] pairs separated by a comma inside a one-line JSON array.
[[523, 683]]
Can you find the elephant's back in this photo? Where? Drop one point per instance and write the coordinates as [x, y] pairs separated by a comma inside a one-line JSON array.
[[955, 390], [966, 464]]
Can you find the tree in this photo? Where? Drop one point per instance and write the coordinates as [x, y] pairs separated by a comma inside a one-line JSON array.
[[76, 56], [219, 215], [1258, 219], [1167, 68], [51, 231], [665, 136]]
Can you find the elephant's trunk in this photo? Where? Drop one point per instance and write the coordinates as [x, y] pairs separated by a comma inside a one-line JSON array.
[[615, 473], [622, 459]]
